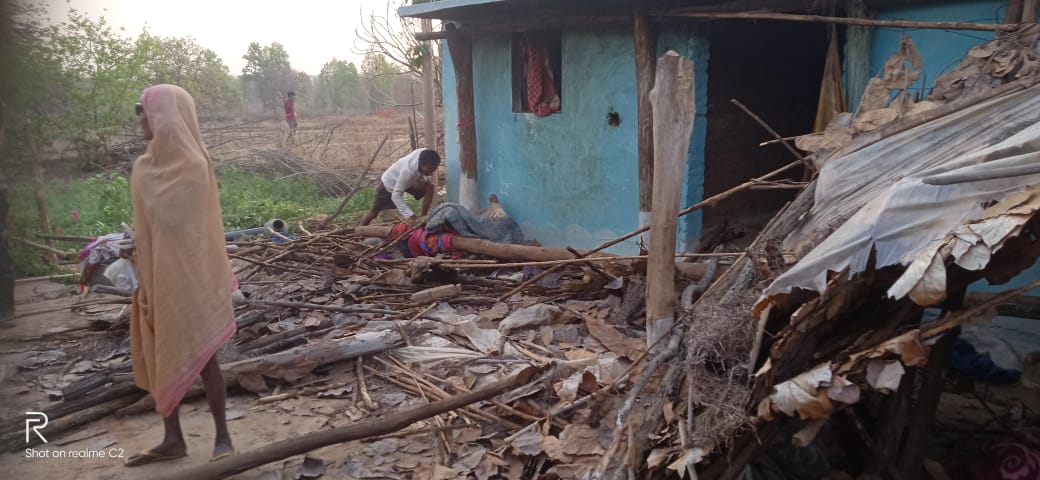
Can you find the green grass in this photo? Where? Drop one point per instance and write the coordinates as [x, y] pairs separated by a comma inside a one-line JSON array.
[[248, 199]]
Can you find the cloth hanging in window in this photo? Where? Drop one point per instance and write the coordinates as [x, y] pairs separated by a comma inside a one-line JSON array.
[[542, 97]]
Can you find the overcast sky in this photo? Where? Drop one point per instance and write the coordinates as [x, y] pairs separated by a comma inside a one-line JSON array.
[[312, 31]]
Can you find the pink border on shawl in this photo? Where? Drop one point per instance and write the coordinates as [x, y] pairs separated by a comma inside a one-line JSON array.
[[165, 402]]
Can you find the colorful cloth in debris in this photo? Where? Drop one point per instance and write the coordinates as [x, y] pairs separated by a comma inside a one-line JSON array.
[[182, 312], [456, 218], [420, 243]]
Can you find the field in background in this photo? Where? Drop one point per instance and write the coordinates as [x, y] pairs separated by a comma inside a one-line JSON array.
[[262, 176]]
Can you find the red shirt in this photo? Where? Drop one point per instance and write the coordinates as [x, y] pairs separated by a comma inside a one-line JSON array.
[[290, 109]]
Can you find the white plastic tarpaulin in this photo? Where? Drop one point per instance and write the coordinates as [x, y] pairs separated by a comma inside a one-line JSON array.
[[956, 187]]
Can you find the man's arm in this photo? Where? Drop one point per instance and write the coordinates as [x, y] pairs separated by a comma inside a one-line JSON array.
[[398, 197]]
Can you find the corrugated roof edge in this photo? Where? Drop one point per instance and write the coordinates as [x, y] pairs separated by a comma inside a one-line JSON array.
[[429, 9]]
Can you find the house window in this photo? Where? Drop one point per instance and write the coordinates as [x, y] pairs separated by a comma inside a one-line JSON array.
[[537, 62]]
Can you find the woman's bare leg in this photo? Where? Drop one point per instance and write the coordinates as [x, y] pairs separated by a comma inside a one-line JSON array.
[[216, 393]]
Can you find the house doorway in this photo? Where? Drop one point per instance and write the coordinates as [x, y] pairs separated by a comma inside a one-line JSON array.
[[775, 69]]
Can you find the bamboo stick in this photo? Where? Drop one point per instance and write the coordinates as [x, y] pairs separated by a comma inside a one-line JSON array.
[[983, 27], [303, 444]]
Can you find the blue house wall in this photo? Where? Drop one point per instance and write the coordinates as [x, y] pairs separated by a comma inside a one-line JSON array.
[[570, 179]]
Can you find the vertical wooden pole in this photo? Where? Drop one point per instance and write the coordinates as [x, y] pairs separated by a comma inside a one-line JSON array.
[[41, 199], [673, 106], [461, 47], [429, 134], [1029, 10], [645, 35], [6, 264], [1014, 11]]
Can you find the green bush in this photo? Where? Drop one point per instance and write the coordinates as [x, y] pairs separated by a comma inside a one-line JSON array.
[[102, 203]]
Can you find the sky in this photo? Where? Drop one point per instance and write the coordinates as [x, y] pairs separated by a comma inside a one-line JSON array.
[[312, 31]]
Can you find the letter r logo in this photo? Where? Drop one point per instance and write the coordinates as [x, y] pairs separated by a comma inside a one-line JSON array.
[[35, 421]]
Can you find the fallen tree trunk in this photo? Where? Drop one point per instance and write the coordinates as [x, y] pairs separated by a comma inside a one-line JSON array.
[[313, 355], [300, 445], [693, 271]]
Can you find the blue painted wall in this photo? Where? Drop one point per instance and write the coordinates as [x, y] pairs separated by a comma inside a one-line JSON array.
[[941, 50], [570, 178]]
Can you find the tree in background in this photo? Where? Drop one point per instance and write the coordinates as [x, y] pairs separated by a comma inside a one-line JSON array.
[[269, 74], [392, 37], [104, 73], [378, 76], [340, 86], [183, 62]]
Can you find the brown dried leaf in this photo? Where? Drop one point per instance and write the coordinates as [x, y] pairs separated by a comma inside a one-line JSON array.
[[554, 449], [578, 439], [613, 339], [528, 443], [669, 413], [657, 457]]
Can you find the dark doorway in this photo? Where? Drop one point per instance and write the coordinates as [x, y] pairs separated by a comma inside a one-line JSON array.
[[775, 69]]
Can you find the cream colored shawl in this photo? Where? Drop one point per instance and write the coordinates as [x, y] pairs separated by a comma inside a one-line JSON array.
[[182, 312]]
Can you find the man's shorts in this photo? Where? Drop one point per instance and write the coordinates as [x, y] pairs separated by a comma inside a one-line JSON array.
[[292, 123], [385, 202]]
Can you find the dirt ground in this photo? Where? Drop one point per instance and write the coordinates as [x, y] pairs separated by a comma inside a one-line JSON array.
[[252, 424]]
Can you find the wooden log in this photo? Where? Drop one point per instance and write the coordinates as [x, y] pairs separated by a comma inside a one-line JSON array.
[[16, 440], [983, 27], [303, 444], [461, 47], [922, 416], [645, 35], [424, 35], [436, 293], [325, 353], [1024, 306], [673, 110]]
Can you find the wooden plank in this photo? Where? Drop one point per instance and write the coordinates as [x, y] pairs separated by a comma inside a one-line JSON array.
[[673, 106], [645, 36], [983, 27], [461, 47]]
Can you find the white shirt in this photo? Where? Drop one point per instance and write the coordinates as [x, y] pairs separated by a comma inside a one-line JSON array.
[[403, 175]]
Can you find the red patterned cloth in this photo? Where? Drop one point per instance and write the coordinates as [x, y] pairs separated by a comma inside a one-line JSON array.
[[542, 97]]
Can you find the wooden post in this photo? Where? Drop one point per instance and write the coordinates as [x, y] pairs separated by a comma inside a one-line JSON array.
[[673, 112], [1029, 10], [645, 35], [1014, 11], [429, 134], [6, 264], [41, 199], [461, 47]]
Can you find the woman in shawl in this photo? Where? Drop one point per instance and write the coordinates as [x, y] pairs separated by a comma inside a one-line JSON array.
[[182, 312]]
